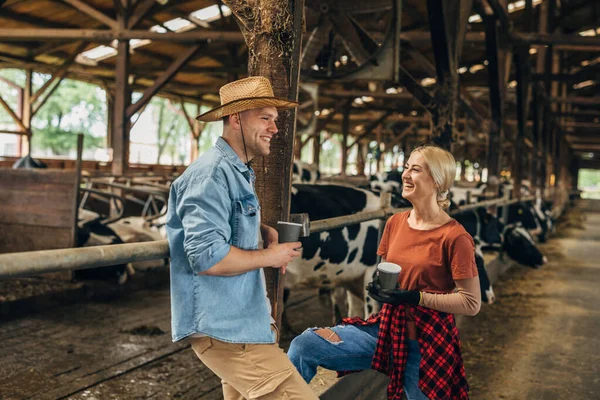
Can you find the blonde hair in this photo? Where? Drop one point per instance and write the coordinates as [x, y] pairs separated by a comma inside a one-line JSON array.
[[442, 168]]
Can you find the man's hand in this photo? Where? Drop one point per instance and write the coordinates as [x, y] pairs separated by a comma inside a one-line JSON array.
[[280, 254], [269, 235]]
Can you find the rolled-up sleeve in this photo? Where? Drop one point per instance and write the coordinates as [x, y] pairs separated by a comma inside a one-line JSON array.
[[204, 209]]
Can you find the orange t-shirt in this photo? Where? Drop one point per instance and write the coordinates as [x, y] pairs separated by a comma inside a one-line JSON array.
[[432, 259]]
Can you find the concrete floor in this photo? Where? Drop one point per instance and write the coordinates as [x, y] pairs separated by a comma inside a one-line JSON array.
[[541, 340]]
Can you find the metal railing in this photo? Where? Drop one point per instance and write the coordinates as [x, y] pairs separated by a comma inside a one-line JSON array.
[[14, 265]]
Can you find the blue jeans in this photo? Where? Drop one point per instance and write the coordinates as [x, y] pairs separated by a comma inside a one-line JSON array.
[[354, 352]]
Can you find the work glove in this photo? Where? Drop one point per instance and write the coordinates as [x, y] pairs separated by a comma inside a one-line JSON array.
[[393, 296]]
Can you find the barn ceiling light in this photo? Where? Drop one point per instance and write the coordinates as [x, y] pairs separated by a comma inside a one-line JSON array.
[[206, 14], [358, 101], [475, 18], [512, 84], [475, 68], [512, 7], [583, 84], [462, 70], [588, 32], [391, 90], [532, 50], [428, 81], [413, 113], [367, 99]]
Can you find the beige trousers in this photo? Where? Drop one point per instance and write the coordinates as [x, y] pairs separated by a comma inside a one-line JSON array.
[[252, 371]]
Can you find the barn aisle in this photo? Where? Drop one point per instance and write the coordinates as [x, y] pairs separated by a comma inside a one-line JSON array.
[[540, 340]]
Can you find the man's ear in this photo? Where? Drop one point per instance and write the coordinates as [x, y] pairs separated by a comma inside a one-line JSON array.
[[234, 120]]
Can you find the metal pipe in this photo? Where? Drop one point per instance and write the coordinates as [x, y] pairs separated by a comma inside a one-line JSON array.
[[13, 265]]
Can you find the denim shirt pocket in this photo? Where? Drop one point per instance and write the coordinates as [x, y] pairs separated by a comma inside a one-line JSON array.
[[246, 223]]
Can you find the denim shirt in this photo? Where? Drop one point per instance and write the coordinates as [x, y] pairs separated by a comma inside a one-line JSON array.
[[212, 206]]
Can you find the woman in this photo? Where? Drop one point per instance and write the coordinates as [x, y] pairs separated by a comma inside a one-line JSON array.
[[414, 338]]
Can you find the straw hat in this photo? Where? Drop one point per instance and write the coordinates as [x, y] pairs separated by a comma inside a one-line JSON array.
[[245, 94]]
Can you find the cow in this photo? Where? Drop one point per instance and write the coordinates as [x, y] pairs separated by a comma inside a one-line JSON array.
[[520, 246], [92, 232], [481, 225], [459, 195], [390, 181], [342, 257], [305, 173], [28, 162], [484, 228]]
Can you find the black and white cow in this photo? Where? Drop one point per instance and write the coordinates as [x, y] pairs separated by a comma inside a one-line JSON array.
[[305, 173], [342, 257], [483, 226], [485, 230], [531, 217], [390, 181], [520, 246], [94, 233]]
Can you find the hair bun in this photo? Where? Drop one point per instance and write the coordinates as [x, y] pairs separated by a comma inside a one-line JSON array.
[[442, 195]]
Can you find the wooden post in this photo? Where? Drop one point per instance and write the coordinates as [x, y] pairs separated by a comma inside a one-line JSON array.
[[447, 23], [360, 159], [317, 149], [122, 100], [521, 57], [26, 113], [273, 34], [345, 133], [496, 85], [385, 200]]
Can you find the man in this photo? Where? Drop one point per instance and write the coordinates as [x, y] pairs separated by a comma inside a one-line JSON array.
[[218, 292]]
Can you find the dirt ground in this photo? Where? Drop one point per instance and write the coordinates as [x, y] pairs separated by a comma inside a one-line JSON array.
[[540, 339]]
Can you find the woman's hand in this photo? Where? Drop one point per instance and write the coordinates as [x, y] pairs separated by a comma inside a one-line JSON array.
[[393, 296]]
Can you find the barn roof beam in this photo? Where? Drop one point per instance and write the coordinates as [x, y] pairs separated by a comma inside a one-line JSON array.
[[92, 12], [12, 114], [592, 101], [59, 74], [105, 35], [447, 24], [468, 104], [496, 86], [579, 113], [371, 127], [501, 13], [560, 41], [163, 79], [521, 59]]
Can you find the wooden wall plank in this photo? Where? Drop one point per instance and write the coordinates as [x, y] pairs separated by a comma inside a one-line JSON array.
[[16, 238]]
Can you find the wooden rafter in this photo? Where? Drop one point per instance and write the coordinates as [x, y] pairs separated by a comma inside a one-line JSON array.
[[92, 12], [43, 101], [371, 127], [100, 35], [163, 79], [60, 73], [12, 114]]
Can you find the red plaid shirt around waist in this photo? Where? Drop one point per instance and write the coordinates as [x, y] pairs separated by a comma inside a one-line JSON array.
[[441, 372]]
